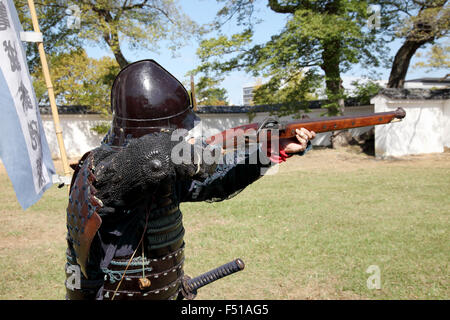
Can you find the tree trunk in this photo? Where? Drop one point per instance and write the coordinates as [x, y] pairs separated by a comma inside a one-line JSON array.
[[401, 62], [112, 39], [110, 32], [120, 58], [333, 81]]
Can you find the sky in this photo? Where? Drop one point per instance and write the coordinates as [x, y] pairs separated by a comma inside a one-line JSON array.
[[204, 11]]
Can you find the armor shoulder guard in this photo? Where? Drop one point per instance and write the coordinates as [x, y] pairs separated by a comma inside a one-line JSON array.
[[83, 221]]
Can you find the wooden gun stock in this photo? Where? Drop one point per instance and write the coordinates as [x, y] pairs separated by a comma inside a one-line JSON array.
[[318, 125]]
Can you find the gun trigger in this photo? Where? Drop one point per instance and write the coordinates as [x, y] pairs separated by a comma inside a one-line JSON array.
[[268, 123]]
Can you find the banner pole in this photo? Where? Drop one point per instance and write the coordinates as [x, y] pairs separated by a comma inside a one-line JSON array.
[[51, 93], [194, 100]]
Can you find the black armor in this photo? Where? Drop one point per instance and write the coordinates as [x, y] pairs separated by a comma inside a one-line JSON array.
[[141, 232], [125, 230]]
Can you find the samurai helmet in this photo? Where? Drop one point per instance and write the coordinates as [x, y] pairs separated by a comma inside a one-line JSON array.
[[146, 98]]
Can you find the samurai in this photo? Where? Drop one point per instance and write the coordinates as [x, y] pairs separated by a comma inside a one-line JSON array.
[[125, 234]]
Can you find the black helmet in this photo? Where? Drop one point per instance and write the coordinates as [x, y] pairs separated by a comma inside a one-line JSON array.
[[146, 98]]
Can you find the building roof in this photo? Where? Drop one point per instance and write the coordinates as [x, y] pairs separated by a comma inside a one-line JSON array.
[[416, 94], [315, 104], [443, 80], [73, 109]]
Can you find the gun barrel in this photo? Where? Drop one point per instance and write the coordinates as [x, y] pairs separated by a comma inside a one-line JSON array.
[[228, 138], [327, 124]]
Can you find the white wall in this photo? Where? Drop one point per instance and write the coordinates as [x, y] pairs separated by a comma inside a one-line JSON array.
[[446, 124], [425, 129], [79, 138], [77, 134]]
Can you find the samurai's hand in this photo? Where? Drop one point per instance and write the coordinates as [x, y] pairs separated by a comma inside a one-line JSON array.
[[297, 143]]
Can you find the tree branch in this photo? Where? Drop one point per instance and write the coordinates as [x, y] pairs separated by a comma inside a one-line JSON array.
[[277, 7], [138, 5]]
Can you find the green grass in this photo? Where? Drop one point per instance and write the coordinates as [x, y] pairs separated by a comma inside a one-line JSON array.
[[307, 232]]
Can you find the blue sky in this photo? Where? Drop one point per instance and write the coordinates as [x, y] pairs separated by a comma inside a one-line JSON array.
[[203, 11]]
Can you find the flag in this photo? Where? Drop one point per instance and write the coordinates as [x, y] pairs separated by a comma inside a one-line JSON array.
[[23, 146]]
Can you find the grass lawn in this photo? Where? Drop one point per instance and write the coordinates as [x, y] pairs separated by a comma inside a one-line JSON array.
[[309, 231]]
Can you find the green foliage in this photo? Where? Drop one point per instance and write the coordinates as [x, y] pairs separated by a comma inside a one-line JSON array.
[[78, 80], [414, 20], [140, 24], [101, 128], [53, 24], [363, 92], [207, 93], [320, 40], [436, 58], [110, 24], [335, 102], [418, 23], [292, 93]]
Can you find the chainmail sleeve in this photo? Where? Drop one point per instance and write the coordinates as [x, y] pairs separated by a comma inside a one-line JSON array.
[[236, 171], [233, 174], [126, 176]]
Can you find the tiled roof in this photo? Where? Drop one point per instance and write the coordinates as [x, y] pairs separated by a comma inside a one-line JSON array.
[[315, 104], [443, 80], [76, 109], [416, 94]]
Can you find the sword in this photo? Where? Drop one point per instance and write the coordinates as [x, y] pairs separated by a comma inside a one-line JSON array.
[[190, 286]]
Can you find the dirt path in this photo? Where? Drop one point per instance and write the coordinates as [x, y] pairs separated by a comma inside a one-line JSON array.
[[349, 159]]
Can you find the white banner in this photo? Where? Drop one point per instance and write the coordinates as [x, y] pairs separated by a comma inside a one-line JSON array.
[[23, 146]]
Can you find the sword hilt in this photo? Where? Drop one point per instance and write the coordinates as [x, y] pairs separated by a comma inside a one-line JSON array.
[[190, 286]]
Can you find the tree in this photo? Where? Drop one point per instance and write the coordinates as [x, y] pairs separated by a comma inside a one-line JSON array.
[[78, 80], [294, 94], [437, 57], [419, 22], [207, 93], [109, 23], [52, 22], [320, 40], [140, 24], [364, 91]]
